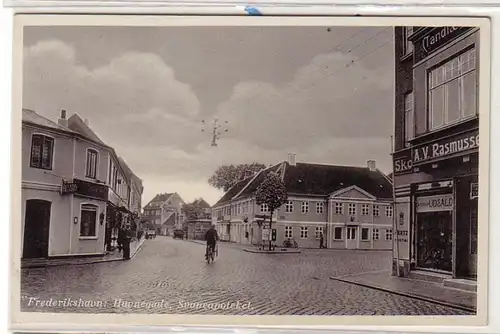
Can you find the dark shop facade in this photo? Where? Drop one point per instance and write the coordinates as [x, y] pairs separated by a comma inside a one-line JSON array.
[[436, 145]]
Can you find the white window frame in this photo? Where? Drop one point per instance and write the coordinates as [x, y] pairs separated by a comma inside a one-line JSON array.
[[52, 153], [365, 209], [264, 208], [91, 207], [389, 211], [318, 231], [351, 209], [433, 84], [341, 233], [376, 210], [289, 206], [353, 230], [305, 207], [304, 232], [409, 117], [320, 206], [376, 234], [339, 208], [367, 234], [88, 168], [388, 234], [288, 232]]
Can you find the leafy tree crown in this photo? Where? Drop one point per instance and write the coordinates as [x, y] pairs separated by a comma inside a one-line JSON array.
[[271, 191]]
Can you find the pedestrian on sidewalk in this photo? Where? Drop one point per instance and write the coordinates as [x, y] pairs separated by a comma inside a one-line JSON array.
[[321, 240]]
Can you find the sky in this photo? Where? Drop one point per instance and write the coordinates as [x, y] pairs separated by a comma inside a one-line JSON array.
[[325, 94]]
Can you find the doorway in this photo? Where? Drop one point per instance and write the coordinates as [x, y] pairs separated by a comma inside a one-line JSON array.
[[36, 229], [351, 237], [434, 241]]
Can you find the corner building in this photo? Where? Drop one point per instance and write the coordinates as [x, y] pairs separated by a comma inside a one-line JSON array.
[[436, 150]]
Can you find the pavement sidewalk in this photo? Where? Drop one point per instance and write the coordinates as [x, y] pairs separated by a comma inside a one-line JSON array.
[[427, 291], [73, 261]]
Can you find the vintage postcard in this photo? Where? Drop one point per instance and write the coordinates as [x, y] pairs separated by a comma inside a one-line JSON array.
[[174, 170]]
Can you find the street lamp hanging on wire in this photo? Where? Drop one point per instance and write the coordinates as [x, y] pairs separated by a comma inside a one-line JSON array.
[[216, 131]]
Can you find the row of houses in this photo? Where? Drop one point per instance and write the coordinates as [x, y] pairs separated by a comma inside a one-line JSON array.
[[349, 207], [77, 193]]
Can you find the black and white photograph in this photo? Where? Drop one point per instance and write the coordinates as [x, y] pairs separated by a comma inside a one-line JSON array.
[[327, 168]]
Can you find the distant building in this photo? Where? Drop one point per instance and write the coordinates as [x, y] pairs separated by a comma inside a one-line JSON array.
[[350, 206], [73, 202], [198, 225], [164, 212], [436, 158]]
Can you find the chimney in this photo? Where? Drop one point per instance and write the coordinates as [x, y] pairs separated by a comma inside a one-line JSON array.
[[371, 165], [86, 121], [63, 121], [291, 159]]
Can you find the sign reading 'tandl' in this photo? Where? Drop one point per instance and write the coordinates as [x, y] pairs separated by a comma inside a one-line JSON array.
[[435, 203], [445, 147]]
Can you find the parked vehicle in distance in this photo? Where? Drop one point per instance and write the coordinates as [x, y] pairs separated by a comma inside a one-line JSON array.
[[150, 234], [179, 234]]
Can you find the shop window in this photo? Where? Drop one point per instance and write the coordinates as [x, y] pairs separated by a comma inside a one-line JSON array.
[[91, 165], [319, 207], [365, 234], [453, 91], [289, 206], [303, 232], [305, 207], [365, 209], [409, 125], [88, 220], [288, 232], [376, 234], [337, 233], [407, 45], [318, 232], [339, 208], [352, 209], [388, 234], [42, 152], [376, 210]]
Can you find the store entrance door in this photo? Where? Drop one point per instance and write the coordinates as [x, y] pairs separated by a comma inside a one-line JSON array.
[[434, 240]]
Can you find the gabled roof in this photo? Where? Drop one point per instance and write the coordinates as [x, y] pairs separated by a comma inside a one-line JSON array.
[[77, 124], [30, 116], [137, 181], [316, 180], [203, 204], [159, 198]]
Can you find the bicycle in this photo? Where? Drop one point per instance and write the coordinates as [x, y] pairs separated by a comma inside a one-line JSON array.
[[212, 255], [290, 243]]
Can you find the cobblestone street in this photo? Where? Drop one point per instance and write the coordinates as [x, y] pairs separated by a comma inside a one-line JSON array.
[[171, 276]]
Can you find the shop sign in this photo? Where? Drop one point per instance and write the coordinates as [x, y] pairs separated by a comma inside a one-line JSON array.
[[90, 189], [68, 187], [266, 234], [436, 38], [445, 147], [402, 162], [474, 190], [435, 203]]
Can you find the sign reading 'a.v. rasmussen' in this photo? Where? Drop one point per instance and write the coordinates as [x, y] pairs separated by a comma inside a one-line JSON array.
[[445, 147]]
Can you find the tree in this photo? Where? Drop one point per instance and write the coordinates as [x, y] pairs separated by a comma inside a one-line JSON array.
[[227, 176], [272, 192], [194, 210]]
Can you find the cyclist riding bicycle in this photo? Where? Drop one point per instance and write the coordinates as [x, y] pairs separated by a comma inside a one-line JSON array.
[[211, 237]]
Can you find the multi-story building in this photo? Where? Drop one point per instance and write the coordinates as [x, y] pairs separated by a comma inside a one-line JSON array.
[[164, 212], [199, 223], [436, 150], [66, 187], [350, 206]]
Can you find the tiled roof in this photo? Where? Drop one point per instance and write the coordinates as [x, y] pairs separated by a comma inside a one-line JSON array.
[[233, 191], [32, 117], [130, 174], [203, 204], [158, 199], [316, 179]]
